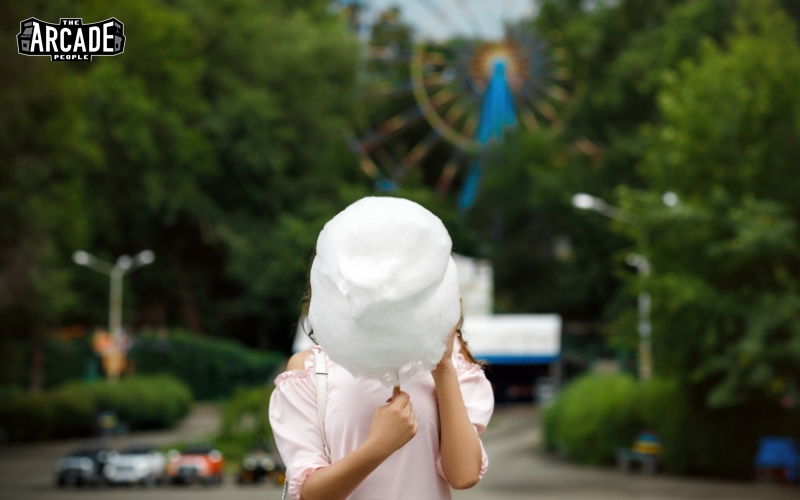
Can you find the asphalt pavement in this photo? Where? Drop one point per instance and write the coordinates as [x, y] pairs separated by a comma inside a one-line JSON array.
[[517, 470]]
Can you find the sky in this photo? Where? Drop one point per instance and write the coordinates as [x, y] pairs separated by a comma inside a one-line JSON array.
[[443, 19]]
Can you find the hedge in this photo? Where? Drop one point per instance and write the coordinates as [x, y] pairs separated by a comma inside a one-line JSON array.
[[245, 422], [596, 414], [212, 367], [70, 410], [592, 417], [64, 360]]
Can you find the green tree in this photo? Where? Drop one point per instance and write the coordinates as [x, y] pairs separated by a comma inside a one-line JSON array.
[[44, 152], [215, 140], [279, 81], [726, 285]]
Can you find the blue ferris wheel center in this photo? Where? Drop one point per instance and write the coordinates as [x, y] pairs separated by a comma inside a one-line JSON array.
[[497, 113], [497, 108]]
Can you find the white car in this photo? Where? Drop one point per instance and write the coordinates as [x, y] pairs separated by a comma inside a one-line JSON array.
[[136, 464]]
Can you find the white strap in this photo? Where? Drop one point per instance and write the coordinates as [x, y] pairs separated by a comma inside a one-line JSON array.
[[322, 402], [322, 396]]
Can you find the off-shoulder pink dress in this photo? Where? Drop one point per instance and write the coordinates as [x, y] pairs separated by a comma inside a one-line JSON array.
[[412, 472]]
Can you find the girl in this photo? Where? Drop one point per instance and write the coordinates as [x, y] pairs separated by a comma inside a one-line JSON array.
[[418, 444]]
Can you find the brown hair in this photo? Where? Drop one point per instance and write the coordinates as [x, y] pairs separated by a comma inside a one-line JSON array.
[[306, 302], [465, 350]]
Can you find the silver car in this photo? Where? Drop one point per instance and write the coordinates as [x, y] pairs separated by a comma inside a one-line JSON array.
[[137, 464]]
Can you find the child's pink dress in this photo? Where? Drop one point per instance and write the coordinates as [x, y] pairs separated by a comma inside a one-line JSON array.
[[412, 472]]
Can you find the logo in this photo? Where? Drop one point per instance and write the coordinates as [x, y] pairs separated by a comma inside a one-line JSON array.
[[70, 39]]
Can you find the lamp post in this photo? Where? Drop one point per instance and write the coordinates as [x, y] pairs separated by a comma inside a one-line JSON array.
[[643, 306], [125, 264], [588, 202]]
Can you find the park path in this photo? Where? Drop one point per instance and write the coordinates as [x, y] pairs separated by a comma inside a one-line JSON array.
[[517, 470]]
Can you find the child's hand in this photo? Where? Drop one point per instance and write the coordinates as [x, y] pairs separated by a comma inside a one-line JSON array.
[[393, 424]]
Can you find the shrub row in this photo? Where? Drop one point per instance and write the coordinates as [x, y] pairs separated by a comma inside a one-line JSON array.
[[70, 410], [596, 414], [212, 367], [64, 360]]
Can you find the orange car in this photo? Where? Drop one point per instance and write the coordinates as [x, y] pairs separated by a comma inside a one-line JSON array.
[[196, 464]]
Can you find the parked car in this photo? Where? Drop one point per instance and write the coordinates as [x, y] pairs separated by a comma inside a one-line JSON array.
[[197, 463], [141, 464], [83, 466], [261, 463]]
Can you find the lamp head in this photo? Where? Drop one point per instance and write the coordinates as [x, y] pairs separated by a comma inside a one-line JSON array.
[[145, 257], [584, 201], [81, 258], [124, 262]]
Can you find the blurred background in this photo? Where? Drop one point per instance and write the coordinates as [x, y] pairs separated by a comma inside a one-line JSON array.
[[618, 178]]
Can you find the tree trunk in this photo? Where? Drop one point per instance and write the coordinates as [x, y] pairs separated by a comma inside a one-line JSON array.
[[188, 307], [37, 363]]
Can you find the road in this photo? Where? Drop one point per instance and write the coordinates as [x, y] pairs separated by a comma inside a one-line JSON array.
[[517, 470]]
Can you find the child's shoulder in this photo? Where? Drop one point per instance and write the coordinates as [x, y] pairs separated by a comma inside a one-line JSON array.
[[298, 361]]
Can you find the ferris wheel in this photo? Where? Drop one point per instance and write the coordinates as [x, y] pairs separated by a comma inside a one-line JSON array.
[[444, 79]]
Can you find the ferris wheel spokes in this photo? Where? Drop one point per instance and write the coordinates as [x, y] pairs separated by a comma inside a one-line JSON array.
[[389, 89], [419, 152], [390, 127], [449, 171]]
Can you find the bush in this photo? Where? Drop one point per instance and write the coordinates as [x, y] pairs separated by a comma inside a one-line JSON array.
[[70, 410], [716, 442], [64, 360], [212, 367], [28, 418], [596, 414], [74, 412], [245, 421], [592, 417], [143, 402], [247, 414], [68, 360]]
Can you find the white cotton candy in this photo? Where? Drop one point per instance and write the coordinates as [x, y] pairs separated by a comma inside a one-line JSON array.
[[384, 289]]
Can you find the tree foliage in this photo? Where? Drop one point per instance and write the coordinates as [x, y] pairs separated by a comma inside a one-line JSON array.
[[215, 140], [727, 264]]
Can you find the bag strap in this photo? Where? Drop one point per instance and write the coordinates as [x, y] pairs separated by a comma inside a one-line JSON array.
[[322, 396], [322, 403]]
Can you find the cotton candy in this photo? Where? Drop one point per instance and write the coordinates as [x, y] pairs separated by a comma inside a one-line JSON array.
[[384, 289]]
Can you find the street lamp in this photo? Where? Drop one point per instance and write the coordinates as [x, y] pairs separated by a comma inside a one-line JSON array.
[[588, 202], [643, 307], [125, 264]]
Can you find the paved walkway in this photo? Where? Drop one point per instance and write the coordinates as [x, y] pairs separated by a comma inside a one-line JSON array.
[[518, 470]]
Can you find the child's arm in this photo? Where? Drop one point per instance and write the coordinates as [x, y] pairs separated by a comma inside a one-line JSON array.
[[459, 442]]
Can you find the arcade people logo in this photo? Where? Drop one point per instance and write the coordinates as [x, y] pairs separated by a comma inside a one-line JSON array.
[[70, 40]]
